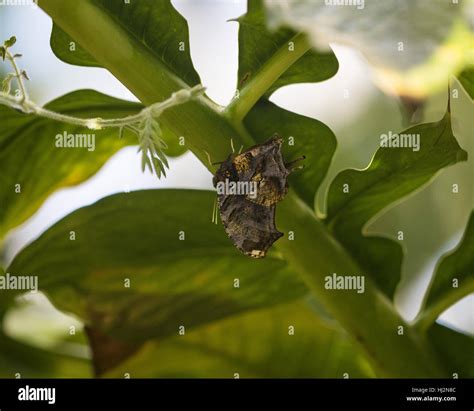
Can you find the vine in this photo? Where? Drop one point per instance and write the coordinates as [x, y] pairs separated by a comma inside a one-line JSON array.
[[144, 124]]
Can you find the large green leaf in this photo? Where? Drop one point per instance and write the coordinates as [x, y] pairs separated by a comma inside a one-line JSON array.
[[31, 159], [311, 138], [257, 344], [165, 36], [357, 26], [156, 24], [454, 276], [32, 362], [455, 349], [257, 45], [173, 282], [406, 62], [392, 174]]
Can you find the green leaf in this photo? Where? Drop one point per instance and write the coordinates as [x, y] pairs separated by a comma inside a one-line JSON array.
[[66, 49], [6, 83], [257, 45], [31, 159], [10, 42], [155, 24], [392, 174], [311, 138], [454, 277], [466, 78], [455, 349], [256, 344], [34, 167], [32, 362], [181, 268], [409, 63], [357, 26], [4, 301]]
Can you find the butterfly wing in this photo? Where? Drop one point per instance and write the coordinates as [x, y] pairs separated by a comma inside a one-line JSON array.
[[250, 226]]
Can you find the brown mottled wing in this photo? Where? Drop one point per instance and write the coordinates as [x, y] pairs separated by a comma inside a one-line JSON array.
[[264, 165], [250, 226]]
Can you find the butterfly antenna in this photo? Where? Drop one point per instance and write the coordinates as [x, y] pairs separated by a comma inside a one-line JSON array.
[[208, 158], [232, 145]]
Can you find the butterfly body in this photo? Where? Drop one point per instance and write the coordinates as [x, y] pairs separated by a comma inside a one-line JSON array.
[[249, 217]]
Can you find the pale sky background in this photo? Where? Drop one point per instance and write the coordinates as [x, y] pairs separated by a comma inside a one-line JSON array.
[[214, 53]]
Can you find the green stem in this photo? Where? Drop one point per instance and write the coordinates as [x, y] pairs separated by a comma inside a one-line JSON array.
[[18, 75], [12, 101], [266, 76], [429, 314], [155, 110], [369, 317]]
